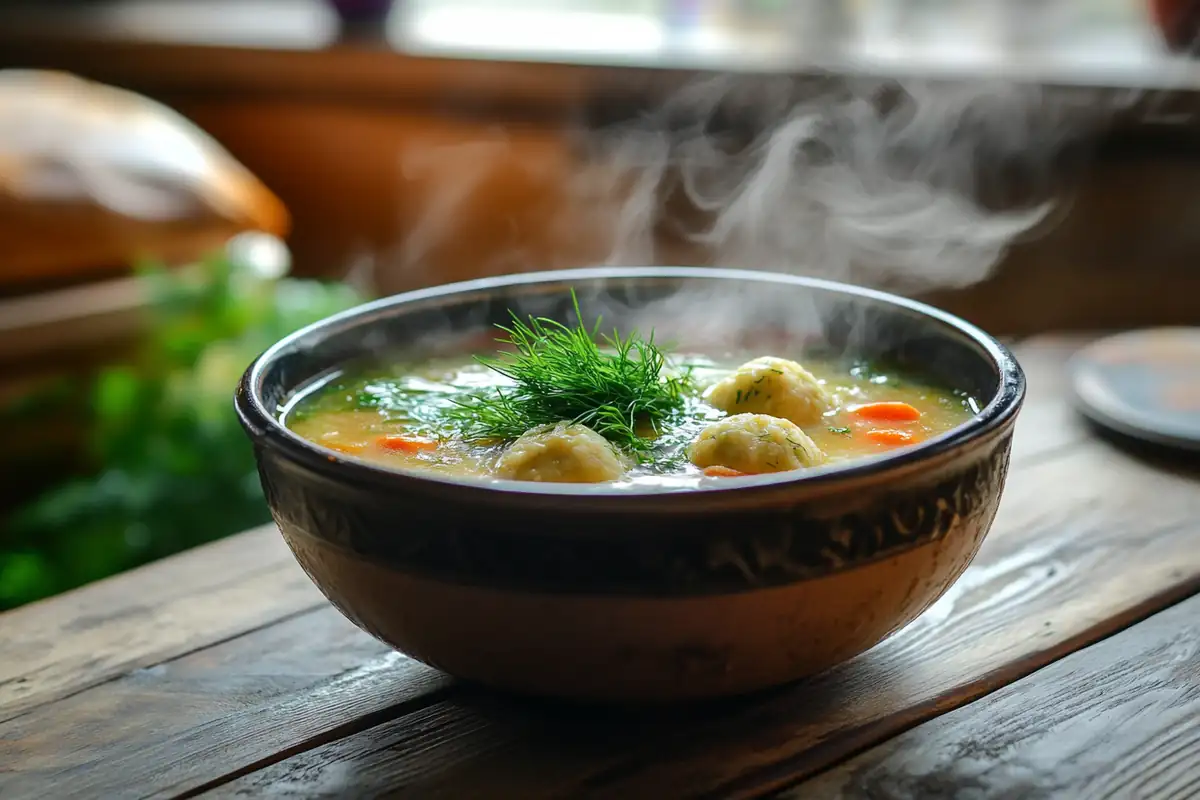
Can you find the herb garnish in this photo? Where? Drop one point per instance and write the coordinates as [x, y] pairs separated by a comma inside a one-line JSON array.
[[562, 373]]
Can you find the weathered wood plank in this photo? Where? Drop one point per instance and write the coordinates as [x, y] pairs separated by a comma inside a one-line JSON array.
[[1085, 544], [1120, 719], [244, 703], [238, 703], [1048, 422], [51, 649]]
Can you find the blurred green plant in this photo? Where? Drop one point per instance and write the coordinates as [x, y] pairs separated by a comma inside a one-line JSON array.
[[172, 466]]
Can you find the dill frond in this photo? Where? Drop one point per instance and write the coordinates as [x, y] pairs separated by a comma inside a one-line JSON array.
[[619, 386]]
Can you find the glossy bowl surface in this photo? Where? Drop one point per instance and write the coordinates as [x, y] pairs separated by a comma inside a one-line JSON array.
[[650, 594]]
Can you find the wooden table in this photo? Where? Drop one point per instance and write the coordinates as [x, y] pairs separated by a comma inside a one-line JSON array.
[[1064, 663]]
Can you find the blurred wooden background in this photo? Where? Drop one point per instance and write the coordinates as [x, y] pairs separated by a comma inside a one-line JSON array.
[[403, 168], [411, 166]]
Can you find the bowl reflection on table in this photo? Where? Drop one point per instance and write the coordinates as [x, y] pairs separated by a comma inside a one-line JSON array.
[[593, 592]]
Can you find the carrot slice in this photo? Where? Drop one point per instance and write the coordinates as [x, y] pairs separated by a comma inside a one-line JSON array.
[[723, 472], [405, 444], [888, 436], [893, 411]]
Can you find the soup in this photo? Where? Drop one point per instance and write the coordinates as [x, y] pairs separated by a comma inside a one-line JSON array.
[[559, 404]]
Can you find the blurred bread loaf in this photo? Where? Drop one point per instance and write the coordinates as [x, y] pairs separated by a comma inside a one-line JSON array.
[[93, 177]]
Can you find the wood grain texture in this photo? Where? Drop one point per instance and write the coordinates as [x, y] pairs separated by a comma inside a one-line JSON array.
[[152, 615], [1120, 719], [82, 638], [311, 705], [1086, 543], [1048, 423], [292, 685]]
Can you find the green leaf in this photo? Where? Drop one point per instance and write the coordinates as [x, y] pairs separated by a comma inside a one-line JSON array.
[[24, 574], [173, 468], [117, 394]]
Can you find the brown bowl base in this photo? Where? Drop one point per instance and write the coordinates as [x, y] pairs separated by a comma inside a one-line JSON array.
[[639, 649]]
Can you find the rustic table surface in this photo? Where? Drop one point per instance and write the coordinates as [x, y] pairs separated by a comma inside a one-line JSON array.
[[1065, 663]]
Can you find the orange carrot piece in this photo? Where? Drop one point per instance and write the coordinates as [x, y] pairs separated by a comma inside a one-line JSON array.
[[723, 472], [892, 411], [406, 444], [888, 436]]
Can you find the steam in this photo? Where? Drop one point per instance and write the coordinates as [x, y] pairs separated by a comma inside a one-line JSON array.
[[862, 181], [909, 187]]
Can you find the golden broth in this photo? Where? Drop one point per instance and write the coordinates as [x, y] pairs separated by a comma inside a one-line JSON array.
[[389, 417]]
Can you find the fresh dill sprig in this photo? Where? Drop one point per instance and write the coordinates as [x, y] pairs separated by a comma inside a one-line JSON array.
[[615, 385]]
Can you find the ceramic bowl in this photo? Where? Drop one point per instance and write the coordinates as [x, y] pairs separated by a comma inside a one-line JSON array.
[[597, 593]]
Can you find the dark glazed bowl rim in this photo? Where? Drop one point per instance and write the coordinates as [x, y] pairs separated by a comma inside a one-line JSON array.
[[268, 433]]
